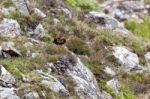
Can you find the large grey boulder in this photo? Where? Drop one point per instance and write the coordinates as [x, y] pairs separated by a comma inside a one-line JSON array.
[[8, 93], [9, 27], [22, 6], [53, 83], [126, 9], [106, 21], [126, 58], [31, 95], [85, 84], [6, 79]]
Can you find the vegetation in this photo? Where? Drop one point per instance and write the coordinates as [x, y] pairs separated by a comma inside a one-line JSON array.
[[93, 45], [140, 29], [83, 4], [78, 46]]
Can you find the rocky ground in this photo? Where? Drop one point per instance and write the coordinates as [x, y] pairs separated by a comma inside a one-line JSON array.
[[72, 49]]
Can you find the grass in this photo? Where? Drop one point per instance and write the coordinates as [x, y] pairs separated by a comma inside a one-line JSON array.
[[22, 65], [140, 29], [137, 82], [84, 4], [128, 92], [78, 46], [6, 3], [25, 22]]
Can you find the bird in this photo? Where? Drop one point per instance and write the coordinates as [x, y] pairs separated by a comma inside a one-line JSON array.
[[59, 39]]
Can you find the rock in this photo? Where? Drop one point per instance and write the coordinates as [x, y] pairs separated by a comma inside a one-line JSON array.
[[127, 59], [28, 44], [108, 22], [39, 13], [106, 95], [85, 84], [31, 95], [125, 9], [51, 67], [109, 71], [56, 21], [123, 31], [6, 11], [38, 32], [8, 48], [32, 55], [6, 79], [66, 11], [8, 93], [52, 83], [25, 78], [147, 58], [114, 84], [104, 20], [9, 27], [22, 6]]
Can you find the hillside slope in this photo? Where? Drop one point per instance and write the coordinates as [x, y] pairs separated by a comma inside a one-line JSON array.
[[74, 49]]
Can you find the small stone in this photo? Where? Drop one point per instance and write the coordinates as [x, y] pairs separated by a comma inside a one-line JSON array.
[[8, 93], [109, 71], [31, 95], [7, 80], [28, 45], [8, 47], [39, 13], [147, 58], [66, 11], [53, 83], [114, 84], [38, 32]]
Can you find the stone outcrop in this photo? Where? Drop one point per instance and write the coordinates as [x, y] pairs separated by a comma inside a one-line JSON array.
[[7, 50], [31, 95], [8, 93], [10, 28], [85, 83], [126, 9], [114, 84], [6, 79], [38, 32], [22, 6], [126, 58], [108, 22]]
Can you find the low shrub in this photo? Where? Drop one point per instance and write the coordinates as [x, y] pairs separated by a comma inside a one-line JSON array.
[[78, 46]]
